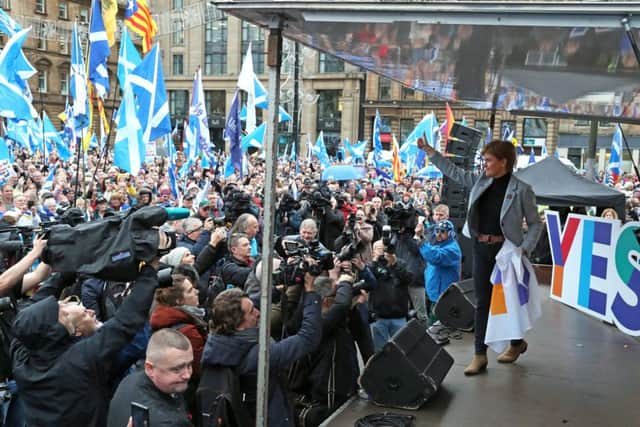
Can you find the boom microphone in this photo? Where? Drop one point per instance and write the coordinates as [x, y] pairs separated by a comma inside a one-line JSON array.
[[177, 213]]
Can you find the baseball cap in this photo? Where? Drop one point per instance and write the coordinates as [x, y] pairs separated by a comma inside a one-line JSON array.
[[203, 203], [189, 197]]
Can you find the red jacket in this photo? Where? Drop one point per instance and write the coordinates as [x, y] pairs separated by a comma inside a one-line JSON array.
[[164, 316]]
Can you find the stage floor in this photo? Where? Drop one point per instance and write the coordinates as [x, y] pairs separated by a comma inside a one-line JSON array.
[[577, 371]]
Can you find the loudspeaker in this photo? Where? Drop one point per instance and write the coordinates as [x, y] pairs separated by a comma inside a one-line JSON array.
[[407, 371], [457, 305], [454, 193], [469, 135]]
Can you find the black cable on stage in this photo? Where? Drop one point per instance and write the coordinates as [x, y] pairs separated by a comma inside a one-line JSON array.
[[386, 419]]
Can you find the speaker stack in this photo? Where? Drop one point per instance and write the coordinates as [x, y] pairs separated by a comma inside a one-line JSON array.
[[456, 306], [461, 149], [407, 371]]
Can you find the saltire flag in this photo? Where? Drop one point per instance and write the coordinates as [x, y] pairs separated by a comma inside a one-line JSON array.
[[229, 169], [48, 182], [613, 168], [19, 132], [129, 148], [356, 150], [98, 51], [246, 80], [14, 70], [147, 82], [254, 139], [173, 181], [199, 123], [51, 135], [138, 19], [109, 13], [321, 151], [128, 58], [4, 150], [377, 142], [544, 152], [395, 161], [232, 133], [7, 24], [261, 94], [283, 116], [15, 66], [78, 82], [532, 157]]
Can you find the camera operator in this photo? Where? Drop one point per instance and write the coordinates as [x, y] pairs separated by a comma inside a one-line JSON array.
[[402, 219], [322, 207], [389, 301], [48, 355], [288, 215], [18, 273], [234, 343], [327, 377]]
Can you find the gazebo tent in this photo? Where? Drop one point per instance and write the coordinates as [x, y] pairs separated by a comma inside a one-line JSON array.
[[556, 185]]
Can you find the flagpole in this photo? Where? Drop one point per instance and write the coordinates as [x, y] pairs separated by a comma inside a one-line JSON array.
[[105, 150], [79, 148]]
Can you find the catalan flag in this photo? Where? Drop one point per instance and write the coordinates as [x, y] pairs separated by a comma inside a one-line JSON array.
[[395, 161], [448, 125], [138, 18]]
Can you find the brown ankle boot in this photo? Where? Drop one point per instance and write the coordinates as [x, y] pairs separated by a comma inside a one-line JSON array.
[[512, 353], [477, 365]]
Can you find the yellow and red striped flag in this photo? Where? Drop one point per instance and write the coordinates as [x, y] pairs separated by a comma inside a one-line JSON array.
[[395, 161], [138, 19], [448, 125]]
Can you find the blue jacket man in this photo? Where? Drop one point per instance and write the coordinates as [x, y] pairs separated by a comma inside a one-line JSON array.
[[443, 257]]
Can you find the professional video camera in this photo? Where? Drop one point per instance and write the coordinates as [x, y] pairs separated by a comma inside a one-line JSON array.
[[401, 216], [112, 248], [236, 203], [300, 249], [320, 199], [288, 203], [387, 240]]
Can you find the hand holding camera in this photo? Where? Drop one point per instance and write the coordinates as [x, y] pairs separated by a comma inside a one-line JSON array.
[[219, 235]]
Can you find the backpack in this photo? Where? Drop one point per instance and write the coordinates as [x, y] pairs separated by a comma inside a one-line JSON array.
[[219, 399]]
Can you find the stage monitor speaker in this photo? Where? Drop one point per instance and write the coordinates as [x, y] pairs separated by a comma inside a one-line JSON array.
[[454, 193], [457, 305], [407, 371]]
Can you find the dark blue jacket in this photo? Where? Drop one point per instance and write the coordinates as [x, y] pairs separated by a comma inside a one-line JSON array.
[[443, 266], [241, 352]]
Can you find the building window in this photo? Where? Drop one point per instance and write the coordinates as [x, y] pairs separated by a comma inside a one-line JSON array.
[[178, 65], [534, 132], [255, 36], [177, 4], [215, 57], [41, 42], [64, 83], [406, 127], [64, 45], [62, 11], [215, 102], [330, 64], [482, 126], [41, 6], [84, 16], [408, 93], [5, 4], [178, 101], [43, 77], [384, 89], [177, 31], [329, 110], [507, 128]]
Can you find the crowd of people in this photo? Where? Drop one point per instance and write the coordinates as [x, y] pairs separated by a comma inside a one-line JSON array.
[[355, 260]]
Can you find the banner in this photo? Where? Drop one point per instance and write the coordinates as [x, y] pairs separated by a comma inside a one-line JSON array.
[[596, 268]]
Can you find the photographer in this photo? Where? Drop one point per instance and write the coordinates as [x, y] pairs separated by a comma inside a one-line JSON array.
[[47, 354], [288, 216], [389, 301], [19, 272], [234, 343]]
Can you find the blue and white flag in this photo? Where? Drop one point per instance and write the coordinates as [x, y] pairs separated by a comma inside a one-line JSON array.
[[321, 151], [255, 139], [15, 69], [78, 81], [129, 149], [232, 133], [7, 24], [199, 123], [261, 94], [544, 152], [147, 81], [48, 182], [613, 168], [98, 51], [356, 150], [18, 131], [246, 83], [532, 157], [51, 135], [128, 58], [4, 150], [173, 181], [377, 142]]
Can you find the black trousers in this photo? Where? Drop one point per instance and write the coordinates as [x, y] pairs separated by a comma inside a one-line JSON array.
[[484, 259]]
